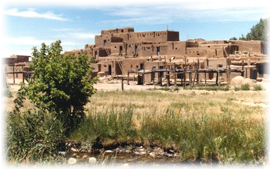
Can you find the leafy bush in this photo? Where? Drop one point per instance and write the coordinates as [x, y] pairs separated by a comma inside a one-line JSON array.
[[245, 87], [33, 136], [258, 87], [61, 83], [237, 88]]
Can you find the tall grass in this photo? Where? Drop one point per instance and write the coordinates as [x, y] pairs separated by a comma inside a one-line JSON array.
[[196, 136], [33, 136]]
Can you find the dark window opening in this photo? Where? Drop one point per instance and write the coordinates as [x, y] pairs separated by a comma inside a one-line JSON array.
[[158, 50], [141, 66]]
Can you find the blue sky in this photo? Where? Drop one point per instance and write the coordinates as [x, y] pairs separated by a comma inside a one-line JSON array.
[[76, 23]]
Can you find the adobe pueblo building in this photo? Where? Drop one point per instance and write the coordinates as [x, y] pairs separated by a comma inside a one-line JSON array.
[[159, 57]]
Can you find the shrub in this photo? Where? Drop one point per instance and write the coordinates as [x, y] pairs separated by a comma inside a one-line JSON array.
[[237, 88], [61, 83], [33, 136], [258, 87], [245, 87]]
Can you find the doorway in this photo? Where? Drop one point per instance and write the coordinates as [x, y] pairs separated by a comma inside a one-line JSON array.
[[158, 50], [110, 70]]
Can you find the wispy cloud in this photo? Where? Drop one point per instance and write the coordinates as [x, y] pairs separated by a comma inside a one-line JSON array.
[[31, 13], [187, 10], [26, 40], [75, 34]]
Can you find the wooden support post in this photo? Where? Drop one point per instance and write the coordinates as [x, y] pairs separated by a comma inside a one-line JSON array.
[[143, 81], [174, 75], [143, 76], [205, 78], [160, 78], [242, 73], [128, 77], [217, 82], [13, 75], [168, 78], [122, 84], [185, 66], [190, 75], [23, 77], [197, 72]]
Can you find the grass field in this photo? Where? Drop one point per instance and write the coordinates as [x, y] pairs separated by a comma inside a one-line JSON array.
[[200, 125], [223, 126]]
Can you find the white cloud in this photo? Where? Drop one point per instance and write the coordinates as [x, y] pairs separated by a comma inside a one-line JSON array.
[[31, 13], [75, 34], [31, 41], [139, 20], [82, 35], [187, 10]]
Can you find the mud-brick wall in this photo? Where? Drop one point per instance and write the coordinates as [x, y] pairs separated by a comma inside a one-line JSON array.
[[250, 46], [176, 48]]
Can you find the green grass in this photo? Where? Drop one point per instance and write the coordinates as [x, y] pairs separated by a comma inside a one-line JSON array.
[[245, 87], [257, 87], [203, 126], [223, 137], [209, 88]]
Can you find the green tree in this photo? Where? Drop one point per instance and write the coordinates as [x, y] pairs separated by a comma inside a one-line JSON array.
[[233, 38], [258, 32], [60, 84]]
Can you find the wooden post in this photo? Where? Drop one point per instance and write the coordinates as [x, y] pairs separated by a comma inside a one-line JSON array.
[[174, 75], [185, 72], [205, 78], [190, 75], [217, 78], [143, 76], [122, 84], [242, 73], [23, 77], [128, 77], [168, 78], [13, 75], [160, 78], [198, 65]]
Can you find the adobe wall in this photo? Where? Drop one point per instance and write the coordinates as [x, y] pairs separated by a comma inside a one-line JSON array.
[[176, 48], [117, 30], [20, 58], [118, 48], [250, 46], [133, 63], [155, 36]]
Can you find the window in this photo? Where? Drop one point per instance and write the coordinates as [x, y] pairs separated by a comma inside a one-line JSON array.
[[131, 66]]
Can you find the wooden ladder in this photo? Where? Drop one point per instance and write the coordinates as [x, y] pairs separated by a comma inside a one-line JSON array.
[[121, 66], [107, 51]]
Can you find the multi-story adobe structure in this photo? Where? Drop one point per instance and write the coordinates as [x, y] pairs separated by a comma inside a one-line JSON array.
[[120, 51]]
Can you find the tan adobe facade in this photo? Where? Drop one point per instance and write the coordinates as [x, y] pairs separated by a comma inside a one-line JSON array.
[[153, 55], [122, 50]]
